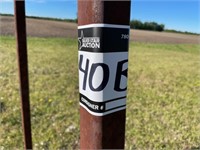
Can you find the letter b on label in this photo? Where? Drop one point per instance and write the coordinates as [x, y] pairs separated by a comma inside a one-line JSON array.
[[120, 72]]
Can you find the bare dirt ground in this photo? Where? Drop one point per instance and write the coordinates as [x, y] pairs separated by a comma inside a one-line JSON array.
[[46, 28]]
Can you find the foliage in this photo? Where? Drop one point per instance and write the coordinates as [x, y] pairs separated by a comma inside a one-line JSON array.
[[175, 31], [153, 26], [162, 105]]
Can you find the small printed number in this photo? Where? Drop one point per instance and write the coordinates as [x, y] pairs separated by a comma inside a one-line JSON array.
[[124, 36]]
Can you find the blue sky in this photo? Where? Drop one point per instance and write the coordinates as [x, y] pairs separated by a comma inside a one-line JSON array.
[[181, 15]]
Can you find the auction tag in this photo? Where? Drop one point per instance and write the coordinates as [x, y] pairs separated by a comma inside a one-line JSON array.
[[103, 66]]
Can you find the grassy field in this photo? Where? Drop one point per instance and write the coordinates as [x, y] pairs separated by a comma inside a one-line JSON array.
[[163, 95]]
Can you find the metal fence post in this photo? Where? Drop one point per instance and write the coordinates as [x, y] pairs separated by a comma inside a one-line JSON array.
[[103, 37], [20, 24]]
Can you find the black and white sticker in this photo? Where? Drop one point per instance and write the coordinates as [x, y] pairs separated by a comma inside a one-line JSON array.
[[103, 65]]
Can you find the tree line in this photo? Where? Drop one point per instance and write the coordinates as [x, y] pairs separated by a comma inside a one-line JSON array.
[[153, 26]]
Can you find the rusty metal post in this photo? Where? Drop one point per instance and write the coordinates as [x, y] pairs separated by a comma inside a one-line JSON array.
[[103, 36], [20, 23]]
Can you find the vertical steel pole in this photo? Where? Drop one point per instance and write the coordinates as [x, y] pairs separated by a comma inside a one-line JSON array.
[[103, 36], [20, 24]]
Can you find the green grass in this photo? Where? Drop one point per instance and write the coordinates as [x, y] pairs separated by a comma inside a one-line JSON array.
[[163, 95]]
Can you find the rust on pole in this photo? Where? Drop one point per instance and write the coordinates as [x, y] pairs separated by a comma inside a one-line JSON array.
[[20, 25], [103, 35]]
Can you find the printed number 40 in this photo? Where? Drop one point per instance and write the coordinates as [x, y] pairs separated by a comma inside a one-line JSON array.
[[124, 36]]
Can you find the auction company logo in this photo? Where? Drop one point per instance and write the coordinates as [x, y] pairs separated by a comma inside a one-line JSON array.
[[88, 42]]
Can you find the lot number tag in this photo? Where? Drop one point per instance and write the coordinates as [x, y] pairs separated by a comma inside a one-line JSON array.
[[103, 66]]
